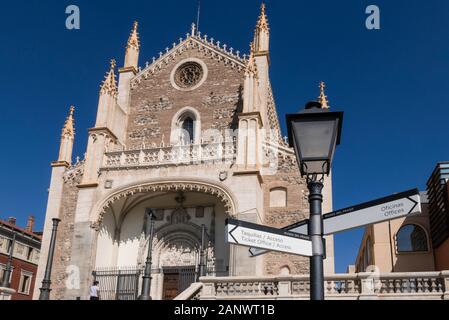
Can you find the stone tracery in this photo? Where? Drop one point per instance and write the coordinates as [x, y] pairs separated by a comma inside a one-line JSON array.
[[184, 186], [189, 74], [209, 49]]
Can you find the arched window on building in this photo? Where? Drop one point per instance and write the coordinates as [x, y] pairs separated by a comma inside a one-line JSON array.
[[187, 124], [278, 198], [411, 238], [188, 127]]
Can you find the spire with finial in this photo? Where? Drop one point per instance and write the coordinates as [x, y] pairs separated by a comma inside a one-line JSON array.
[[109, 85], [262, 32], [69, 129], [67, 139], [262, 23], [134, 41], [132, 50], [323, 98]]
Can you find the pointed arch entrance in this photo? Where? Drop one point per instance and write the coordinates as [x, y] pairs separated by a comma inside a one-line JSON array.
[[179, 209]]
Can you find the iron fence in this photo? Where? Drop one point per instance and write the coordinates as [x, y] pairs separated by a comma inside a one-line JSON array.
[[124, 283], [187, 275], [118, 283]]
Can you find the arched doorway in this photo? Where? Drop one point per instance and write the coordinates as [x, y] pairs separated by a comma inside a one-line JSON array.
[[179, 214]]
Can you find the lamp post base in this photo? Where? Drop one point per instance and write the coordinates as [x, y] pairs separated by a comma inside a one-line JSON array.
[[45, 294], [146, 287], [316, 233], [317, 276]]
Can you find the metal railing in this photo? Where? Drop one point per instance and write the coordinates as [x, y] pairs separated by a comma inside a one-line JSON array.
[[118, 283], [124, 283]]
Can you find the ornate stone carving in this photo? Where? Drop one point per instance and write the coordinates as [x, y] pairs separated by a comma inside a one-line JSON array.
[[178, 253], [74, 174], [223, 176], [208, 49], [173, 187], [224, 153], [179, 216], [284, 159], [189, 75]]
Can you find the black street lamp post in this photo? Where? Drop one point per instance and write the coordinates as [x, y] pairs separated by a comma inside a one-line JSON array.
[[316, 233], [314, 133], [7, 274], [202, 266], [46, 283], [146, 283]]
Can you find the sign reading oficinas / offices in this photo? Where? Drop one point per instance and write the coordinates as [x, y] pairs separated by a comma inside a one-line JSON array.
[[377, 211], [385, 209]]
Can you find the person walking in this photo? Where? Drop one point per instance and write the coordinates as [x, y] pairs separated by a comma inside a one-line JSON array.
[[95, 291]]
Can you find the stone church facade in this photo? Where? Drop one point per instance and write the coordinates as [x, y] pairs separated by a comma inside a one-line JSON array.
[[193, 137]]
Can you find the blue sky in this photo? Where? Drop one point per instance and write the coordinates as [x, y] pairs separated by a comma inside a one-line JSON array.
[[392, 83]]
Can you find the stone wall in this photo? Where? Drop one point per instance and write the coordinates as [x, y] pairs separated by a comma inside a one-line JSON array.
[[155, 101], [289, 178], [64, 238]]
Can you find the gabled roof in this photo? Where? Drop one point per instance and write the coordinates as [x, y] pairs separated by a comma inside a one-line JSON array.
[[209, 46], [13, 227]]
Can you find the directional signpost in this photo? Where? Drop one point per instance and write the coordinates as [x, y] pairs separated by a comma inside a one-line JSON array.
[[295, 239], [389, 208], [300, 228], [385, 209], [262, 237]]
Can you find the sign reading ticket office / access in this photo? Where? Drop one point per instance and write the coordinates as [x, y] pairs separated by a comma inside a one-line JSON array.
[[257, 236]]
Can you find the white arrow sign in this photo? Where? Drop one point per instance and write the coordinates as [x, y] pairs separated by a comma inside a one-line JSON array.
[[385, 209], [262, 237], [300, 228]]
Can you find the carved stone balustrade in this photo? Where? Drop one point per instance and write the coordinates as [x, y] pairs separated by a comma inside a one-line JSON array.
[[214, 153], [357, 286]]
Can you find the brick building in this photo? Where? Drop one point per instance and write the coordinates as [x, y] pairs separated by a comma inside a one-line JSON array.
[[193, 136], [26, 253]]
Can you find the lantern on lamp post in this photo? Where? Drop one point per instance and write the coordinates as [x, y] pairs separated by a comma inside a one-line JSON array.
[[314, 133], [146, 279]]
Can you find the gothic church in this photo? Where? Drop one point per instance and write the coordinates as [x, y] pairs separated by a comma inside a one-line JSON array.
[[193, 137]]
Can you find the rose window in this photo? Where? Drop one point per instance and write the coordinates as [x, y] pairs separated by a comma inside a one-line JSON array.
[[189, 75]]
